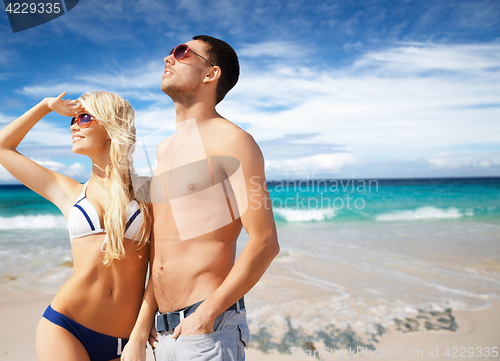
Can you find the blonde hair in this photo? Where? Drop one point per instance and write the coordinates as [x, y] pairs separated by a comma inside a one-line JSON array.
[[116, 115]]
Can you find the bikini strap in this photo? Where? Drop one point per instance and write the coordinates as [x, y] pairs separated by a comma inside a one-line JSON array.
[[104, 243], [83, 193]]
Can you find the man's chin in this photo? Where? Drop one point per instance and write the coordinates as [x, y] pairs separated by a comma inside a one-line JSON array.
[[164, 88], [170, 90], [178, 95]]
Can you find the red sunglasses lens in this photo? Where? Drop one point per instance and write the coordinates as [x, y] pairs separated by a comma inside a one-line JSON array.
[[83, 120], [180, 52]]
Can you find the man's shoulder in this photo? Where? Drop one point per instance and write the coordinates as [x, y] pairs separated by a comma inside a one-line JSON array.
[[232, 141], [229, 135], [162, 146]]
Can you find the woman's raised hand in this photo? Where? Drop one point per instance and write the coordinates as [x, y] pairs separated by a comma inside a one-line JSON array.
[[65, 107]]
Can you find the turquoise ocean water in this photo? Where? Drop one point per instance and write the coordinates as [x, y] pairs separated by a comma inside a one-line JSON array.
[[386, 200], [318, 201], [355, 254]]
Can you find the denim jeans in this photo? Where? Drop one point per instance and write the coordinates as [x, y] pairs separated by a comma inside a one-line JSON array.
[[226, 343]]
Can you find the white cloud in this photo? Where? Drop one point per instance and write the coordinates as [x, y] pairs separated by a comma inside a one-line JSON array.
[[319, 163], [416, 57], [154, 118], [47, 133], [275, 49], [47, 90], [142, 82], [457, 161], [6, 55], [75, 170], [4, 175], [394, 115], [148, 75], [50, 164], [405, 103]]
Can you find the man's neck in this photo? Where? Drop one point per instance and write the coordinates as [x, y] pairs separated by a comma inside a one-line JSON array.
[[200, 111]]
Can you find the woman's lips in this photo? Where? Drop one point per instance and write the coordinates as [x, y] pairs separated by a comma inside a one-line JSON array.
[[76, 138]]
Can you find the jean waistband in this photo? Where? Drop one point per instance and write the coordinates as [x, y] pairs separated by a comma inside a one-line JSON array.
[[168, 321]]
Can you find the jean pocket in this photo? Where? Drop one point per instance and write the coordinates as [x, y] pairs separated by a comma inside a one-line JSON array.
[[198, 347], [244, 334], [213, 334]]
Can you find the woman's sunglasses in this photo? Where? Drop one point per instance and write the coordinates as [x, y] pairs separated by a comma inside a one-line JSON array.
[[181, 51], [83, 120]]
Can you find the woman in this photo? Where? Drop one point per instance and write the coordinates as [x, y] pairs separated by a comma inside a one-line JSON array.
[[92, 315]]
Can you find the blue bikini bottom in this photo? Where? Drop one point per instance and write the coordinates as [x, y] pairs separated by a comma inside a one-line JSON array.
[[99, 346]]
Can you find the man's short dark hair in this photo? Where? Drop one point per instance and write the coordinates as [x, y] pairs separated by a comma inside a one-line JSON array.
[[223, 55]]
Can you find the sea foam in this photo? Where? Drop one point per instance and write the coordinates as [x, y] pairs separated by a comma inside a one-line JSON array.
[[305, 215], [33, 222], [420, 213]]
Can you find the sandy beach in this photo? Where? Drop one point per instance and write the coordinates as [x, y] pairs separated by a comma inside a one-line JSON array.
[[415, 275], [19, 316]]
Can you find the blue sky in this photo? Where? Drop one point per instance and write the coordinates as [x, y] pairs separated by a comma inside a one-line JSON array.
[[329, 89]]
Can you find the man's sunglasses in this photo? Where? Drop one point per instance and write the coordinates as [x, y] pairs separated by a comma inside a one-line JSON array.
[[83, 120], [181, 51]]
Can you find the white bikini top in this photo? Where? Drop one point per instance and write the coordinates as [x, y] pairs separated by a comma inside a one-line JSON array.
[[83, 219]]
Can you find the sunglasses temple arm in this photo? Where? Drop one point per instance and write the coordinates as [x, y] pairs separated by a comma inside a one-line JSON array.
[[202, 57]]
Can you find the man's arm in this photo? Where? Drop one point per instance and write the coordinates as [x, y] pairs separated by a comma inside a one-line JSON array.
[[262, 246]]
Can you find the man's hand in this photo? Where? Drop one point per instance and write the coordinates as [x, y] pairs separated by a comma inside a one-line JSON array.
[[194, 324], [133, 351]]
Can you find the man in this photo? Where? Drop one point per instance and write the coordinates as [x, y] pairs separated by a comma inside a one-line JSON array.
[[209, 184]]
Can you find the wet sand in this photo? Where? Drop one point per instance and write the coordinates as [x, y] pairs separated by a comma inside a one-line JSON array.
[[19, 316]]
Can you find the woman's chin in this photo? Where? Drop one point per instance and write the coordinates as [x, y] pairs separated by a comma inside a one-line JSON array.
[[77, 150]]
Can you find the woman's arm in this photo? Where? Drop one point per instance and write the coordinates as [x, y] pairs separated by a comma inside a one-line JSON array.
[[135, 349], [49, 184]]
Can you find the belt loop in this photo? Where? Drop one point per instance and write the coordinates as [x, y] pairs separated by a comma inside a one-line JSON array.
[[238, 306], [119, 350], [181, 315]]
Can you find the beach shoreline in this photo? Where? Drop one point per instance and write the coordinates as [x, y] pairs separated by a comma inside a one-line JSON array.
[[479, 329]]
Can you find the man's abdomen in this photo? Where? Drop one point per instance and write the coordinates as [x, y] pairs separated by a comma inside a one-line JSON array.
[[185, 272]]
